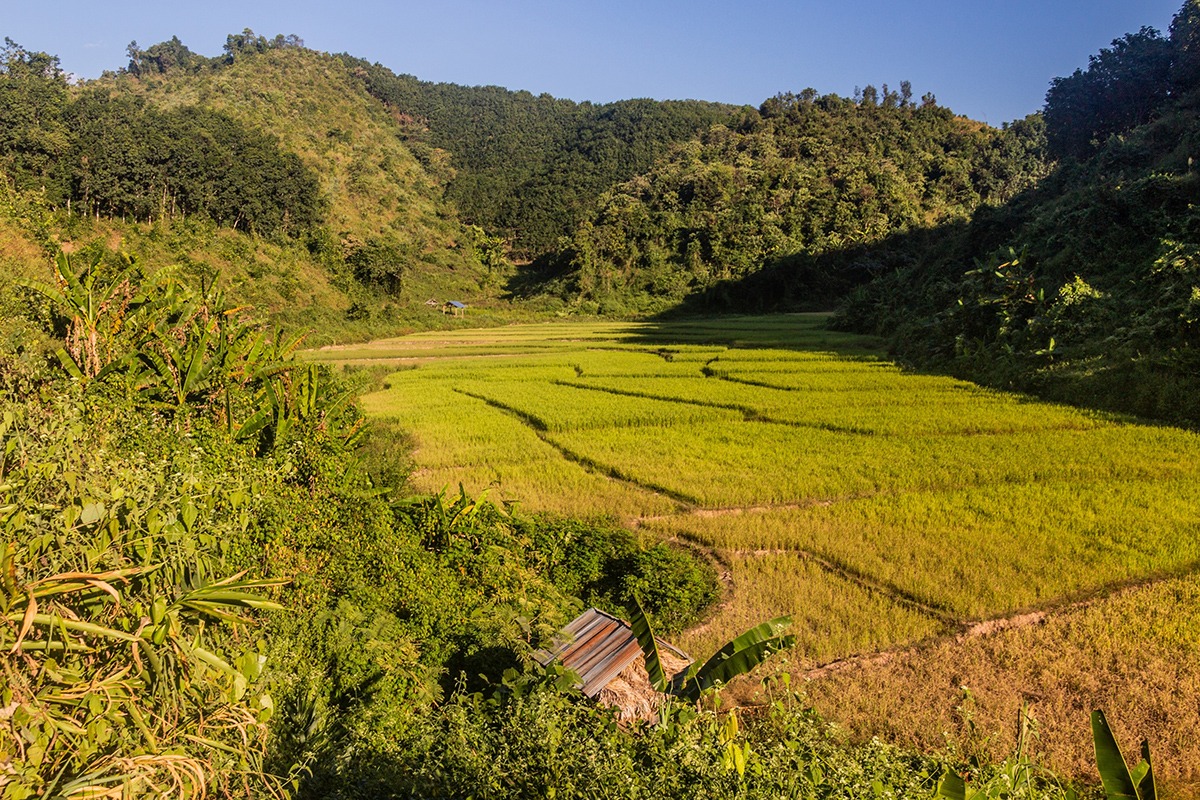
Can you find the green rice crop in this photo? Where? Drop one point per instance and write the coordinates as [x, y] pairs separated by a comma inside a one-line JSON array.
[[986, 550], [556, 486], [915, 413], [751, 463], [829, 613], [557, 407], [773, 440]]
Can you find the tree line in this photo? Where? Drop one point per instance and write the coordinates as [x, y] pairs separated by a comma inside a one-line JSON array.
[[174, 56], [106, 152], [1085, 288], [801, 177]]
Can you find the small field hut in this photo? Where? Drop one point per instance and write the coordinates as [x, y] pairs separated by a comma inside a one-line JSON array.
[[603, 650]]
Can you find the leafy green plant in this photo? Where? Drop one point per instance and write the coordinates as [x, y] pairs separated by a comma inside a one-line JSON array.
[[1121, 782], [92, 308], [119, 653], [1017, 776], [737, 657]]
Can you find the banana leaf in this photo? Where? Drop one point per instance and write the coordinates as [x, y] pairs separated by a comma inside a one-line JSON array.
[[645, 636], [738, 662], [1118, 783], [759, 633]]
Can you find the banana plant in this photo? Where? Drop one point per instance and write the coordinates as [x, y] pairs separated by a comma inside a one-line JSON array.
[[176, 374], [737, 657], [1120, 782], [93, 308]]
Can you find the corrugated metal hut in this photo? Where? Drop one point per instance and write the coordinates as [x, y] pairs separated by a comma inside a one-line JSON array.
[[605, 653]]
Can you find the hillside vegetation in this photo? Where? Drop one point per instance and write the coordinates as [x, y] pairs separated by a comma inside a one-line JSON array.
[[529, 168], [1086, 287], [802, 178], [270, 171]]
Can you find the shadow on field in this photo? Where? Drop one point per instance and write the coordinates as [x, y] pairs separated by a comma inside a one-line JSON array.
[[799, 331]]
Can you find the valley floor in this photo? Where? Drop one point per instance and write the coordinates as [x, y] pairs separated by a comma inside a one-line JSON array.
[[897, 517]]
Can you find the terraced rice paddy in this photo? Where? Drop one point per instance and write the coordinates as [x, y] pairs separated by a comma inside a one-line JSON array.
[[878, 507]]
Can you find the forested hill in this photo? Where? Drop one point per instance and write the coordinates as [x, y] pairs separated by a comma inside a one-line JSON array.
[[803, 177], [269, 169], [1086, 288], [321, 189], [530, 168], [372, 184]]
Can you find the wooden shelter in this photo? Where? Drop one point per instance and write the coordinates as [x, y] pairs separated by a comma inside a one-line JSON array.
[[603, 650]]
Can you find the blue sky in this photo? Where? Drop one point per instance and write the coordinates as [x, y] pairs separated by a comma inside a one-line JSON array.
[[989, 59]]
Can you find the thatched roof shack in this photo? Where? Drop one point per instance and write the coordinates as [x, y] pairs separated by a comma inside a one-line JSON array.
[[606, 654]]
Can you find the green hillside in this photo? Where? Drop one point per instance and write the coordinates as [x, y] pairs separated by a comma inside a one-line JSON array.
[[802, 178], [374, 187], [272, 172], [1087, 287], [529, 167]]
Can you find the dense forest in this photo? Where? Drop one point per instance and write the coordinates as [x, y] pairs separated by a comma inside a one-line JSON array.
[[1084, 287], [804, 177], [116, 156], [529, 168], [212, 578]]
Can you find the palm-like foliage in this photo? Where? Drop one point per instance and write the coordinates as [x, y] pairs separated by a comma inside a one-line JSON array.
[[186, 349], [737, 657], [93, 307], [118, 672]]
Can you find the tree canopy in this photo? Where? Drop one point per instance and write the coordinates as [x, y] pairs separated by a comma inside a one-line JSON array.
[[803, 176], [529, 167], [1087, 287]]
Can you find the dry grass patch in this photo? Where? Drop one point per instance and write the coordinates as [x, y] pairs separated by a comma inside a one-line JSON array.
[[1136, 655]]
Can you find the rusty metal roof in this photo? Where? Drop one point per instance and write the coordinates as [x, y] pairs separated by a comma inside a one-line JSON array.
[[596, 645]]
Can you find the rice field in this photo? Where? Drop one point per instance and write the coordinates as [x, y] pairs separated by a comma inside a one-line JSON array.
[[880, 508], [776, 435]]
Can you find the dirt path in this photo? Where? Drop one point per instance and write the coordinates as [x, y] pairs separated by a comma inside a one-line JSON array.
[[967, 631]]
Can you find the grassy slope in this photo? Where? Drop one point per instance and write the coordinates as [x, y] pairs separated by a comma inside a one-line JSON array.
[[375, 190], [310, 102]]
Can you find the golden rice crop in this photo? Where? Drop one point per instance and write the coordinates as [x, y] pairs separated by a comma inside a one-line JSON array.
[[1135, 654], [831, 615], [985, 550]]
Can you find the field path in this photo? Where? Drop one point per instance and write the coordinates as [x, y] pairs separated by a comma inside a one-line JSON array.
[[990, 627]]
